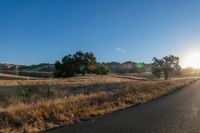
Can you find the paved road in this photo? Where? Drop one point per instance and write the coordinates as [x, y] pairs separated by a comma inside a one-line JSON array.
[[176, 113]]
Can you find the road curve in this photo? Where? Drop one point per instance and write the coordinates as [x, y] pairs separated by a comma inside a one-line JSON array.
[[178, 112]]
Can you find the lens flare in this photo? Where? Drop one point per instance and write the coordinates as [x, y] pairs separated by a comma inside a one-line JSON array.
[[192, 60]]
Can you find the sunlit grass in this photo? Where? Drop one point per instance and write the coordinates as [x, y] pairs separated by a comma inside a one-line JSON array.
[[107, 94]]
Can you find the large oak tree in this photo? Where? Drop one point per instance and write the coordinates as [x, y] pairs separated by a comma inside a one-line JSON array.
[[167, 65]]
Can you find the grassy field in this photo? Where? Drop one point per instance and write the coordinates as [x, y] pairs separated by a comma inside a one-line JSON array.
[[15, 77], [36, 105]]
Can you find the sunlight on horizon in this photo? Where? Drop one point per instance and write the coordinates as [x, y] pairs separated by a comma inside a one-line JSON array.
[[192, 60]]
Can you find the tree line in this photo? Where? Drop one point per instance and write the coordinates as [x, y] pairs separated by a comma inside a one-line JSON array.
[[85, 62]]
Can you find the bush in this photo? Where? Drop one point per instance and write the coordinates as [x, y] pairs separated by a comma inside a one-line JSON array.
[[102, 69]]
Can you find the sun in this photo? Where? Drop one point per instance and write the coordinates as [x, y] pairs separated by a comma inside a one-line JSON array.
[[192, 60]]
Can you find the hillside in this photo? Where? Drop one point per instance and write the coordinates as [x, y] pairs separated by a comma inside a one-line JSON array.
[[129, 67], [15, 77], [43, 70], [115, 67]]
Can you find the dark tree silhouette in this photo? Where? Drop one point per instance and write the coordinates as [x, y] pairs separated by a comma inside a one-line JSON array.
[[167, 65], [58, 69], [68, 66], [83, 61], [78, 63]]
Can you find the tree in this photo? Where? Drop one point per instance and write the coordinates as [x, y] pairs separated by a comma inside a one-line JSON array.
[[78, 63], [156, 71], [102, 69], [84, 62], [58, 67], [167, 65], [68, 66]]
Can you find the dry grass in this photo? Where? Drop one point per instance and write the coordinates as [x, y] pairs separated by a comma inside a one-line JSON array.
[[106, 94], [68, 81], [15, 77]]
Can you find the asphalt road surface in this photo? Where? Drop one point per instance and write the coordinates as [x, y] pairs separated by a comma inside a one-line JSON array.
[[178, 112]]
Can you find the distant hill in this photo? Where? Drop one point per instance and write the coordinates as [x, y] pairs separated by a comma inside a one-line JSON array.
[[47, 70], [129, 67], [43, 67], [43, 70]]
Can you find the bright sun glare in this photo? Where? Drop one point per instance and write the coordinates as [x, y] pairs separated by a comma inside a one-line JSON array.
[[192, 60]]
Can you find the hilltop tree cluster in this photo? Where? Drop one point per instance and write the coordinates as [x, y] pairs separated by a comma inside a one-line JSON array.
[[167, 65], [79, 63]]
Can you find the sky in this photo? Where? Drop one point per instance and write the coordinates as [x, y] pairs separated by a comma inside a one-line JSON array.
[[43, 31]]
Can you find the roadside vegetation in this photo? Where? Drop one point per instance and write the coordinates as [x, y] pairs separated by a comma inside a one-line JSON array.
[[43, 104]]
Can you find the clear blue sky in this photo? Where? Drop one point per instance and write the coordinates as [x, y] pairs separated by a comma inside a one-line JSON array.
[[36, 31]]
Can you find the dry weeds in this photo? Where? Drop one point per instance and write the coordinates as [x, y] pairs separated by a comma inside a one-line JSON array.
[[108, 94]]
